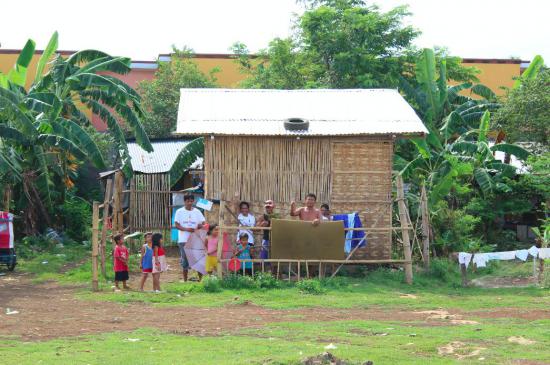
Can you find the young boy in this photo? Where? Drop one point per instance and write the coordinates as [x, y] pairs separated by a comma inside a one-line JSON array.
[[308, 213], [242, 251], [120, 262]]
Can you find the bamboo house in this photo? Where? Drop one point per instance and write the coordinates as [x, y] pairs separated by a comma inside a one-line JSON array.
[[284, 144]]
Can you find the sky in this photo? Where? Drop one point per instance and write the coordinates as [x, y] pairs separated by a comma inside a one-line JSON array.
[[144, 29]]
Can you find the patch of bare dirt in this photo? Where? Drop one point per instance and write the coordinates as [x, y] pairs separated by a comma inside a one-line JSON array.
[[460, 350], [328, 359]]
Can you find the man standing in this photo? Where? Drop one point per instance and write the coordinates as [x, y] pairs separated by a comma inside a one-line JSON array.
[[308, 213], [265, 221], [187, 220]]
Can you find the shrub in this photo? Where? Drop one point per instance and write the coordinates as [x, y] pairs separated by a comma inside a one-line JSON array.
[[76, 216], [266, 280], [235, 281], [309, 286], [211, 284]]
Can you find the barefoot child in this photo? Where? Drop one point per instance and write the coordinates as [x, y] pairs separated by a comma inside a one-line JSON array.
[[120, 264], [307, 213], [159, 261], [146, 264], [211, 244], [242, 251]]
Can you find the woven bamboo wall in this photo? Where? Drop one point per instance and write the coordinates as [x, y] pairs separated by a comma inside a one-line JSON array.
[[349, 173], [150, 202]]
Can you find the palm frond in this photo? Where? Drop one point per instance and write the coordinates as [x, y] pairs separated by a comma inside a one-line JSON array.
[[512, 149], [46, 55], [186, 158]]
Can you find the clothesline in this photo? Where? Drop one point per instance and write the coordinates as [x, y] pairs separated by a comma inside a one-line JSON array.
[[481, 259]]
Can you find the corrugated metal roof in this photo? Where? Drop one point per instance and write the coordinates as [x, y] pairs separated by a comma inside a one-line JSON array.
[[263, 112], [161, 159]]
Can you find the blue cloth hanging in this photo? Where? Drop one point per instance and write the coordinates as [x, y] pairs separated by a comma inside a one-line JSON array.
[[353, 238]]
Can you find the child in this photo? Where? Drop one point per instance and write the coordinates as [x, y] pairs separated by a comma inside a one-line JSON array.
[[120, 264], [146, 264], [159, 261], [211, 244], [326, 215], [246, 220], [242, 251], [308, 213]]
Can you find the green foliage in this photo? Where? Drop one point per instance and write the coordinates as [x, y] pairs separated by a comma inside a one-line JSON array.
[[267, 281], [185, 159], [310, 286], [454, 228], [525, 113], [46, 137], [236, 281], [76, 214], [161, 95], [211, 284], [337, 44]]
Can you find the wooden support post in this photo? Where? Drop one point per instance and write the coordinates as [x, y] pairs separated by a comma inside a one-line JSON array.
[[320, 270], [307, 270], [106, 207], [220, 239], [425, 227], [120, 188], [95, 235], [263, 267], [299, 270], [405, 224], [463, 273], [289, 264], [278, 269], [7, 198]]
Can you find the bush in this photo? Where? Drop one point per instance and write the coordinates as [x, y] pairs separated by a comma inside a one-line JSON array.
[[235, 281], [76, 216], [310, 286], [211, 284], [266, 281]]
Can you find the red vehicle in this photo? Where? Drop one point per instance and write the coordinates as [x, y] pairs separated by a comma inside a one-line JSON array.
[[7, 247]]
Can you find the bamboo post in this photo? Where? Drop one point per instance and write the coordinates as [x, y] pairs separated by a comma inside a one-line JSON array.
[[220, 238], [120, 188], [425, 228], [7, 198], [95, 234], [463, 273], [404, 229], [103, 241], [299, 270], [307, 270], [278, 269]]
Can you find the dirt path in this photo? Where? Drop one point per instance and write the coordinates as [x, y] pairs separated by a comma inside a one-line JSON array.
[[49, 310]]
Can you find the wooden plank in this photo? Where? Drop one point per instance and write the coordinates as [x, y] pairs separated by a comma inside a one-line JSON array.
[[103, 241], [220, 240], [95, 234], [463, 273], [425, 227], [403, 217]]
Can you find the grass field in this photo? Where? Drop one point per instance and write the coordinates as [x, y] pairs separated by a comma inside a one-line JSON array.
[[471, 325]]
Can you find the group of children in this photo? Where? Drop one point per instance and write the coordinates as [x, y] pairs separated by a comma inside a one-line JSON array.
[[188, 219], [153, 261]]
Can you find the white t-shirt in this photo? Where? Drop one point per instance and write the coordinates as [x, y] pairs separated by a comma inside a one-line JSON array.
[[248, 221], [187, 219]]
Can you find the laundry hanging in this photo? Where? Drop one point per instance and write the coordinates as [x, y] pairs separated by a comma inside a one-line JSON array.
[[353, 238]]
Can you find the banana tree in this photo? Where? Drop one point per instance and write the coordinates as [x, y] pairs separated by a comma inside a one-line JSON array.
[[44, 125]]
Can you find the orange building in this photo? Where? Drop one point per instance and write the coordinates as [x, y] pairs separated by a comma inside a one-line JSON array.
[[495, 73]]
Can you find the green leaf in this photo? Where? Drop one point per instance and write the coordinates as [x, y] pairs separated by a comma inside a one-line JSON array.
[[187, 156], [484, 92], [512, 149], [26, 125], [484, 180], [18, 75], [442, 84], [484, 126], [14, 135], [412, 166], [425, 75], [442, 188], [46, 55], [62, 143], [453, 123], [422, 147], [85, 55], [464, 147], [84, 141], [119, 65], [530, 72]]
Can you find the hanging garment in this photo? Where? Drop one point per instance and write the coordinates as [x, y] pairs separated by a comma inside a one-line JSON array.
[[522, 254], [533, 251], [544, 253], [480, 259], [505, 255], [464, 258], [353, 238]]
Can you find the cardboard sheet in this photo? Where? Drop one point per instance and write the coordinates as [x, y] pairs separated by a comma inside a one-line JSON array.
[[293, 239]]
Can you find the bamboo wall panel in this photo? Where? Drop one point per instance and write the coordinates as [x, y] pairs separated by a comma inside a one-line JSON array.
[[150, 202], [352, 174], [362, 182]]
